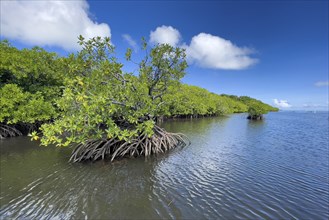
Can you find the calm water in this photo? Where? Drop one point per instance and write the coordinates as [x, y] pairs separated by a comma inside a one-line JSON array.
[[234, 169]]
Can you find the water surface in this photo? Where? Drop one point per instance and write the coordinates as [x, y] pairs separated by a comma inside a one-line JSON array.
[[234, 169]]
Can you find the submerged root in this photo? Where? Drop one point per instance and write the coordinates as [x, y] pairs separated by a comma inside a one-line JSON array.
[[142, 145], [8, 131], [255, 117]]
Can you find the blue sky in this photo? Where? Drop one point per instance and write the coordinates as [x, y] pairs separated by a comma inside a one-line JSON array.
[[275, 51]]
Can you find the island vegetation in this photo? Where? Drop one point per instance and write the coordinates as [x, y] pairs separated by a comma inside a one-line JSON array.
[[86, 100]]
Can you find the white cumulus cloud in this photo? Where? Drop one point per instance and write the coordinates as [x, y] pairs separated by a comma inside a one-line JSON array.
[[281, 103], [211, 51], [206, 50], [53, 23], [322, 83], [165, 35], [130, 41]]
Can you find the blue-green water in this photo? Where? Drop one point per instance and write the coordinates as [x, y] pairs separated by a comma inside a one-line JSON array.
[[234, 169]]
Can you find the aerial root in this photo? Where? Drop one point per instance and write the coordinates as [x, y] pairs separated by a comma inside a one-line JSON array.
[[142, 145], [8, 131]]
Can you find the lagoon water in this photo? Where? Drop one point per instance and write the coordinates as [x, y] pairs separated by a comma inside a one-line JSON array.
[[234, 169]]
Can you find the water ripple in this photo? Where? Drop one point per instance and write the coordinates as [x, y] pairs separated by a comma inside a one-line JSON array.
[[234, 169]]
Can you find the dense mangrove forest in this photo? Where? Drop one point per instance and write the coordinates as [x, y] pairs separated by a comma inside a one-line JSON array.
[[86, 100]]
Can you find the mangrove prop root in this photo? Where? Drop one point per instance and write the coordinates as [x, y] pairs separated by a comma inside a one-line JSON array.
[[142, 145], [255, 117], [8, 131]]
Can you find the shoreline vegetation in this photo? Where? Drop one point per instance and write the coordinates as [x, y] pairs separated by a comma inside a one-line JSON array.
[[87, 101]]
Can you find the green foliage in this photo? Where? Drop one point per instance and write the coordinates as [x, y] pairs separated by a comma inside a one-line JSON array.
[[186, 100], [30, 81], [161, 69], [87, 95], [33, 70], [100, 101], [190, 101], [251, 102], [256, 110], [18, 106]]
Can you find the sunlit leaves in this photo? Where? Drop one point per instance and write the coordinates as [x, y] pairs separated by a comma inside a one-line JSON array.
[[30, 82], [101, 101], [186, 100], [34, 136], [19, 106], [31, 69], [88, 96], [128, 54]]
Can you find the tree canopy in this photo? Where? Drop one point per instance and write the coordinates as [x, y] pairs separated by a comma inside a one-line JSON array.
[[87, 100], [98, 94], [30, 82]]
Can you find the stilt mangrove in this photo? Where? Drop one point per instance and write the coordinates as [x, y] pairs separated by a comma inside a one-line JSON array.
[[88, 101]]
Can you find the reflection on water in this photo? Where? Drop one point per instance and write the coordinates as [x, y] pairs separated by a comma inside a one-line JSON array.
[[234, 169]]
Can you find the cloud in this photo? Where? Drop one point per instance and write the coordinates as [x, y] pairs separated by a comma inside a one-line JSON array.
[[214, 52], [165, 35], [130, 41], [281, 103], [52, 23], [322, 83], [206, 50]]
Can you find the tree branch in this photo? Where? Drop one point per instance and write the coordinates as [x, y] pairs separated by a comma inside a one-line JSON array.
[[123, 104]]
